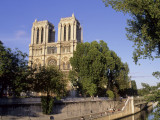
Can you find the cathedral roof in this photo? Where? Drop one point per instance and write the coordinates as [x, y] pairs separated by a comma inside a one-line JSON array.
[[69, 18], [42, 22]]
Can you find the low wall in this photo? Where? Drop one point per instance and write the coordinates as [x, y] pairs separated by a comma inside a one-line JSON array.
[[62, 109], [129, 109], [82, 108], [20, 106], [72, 109]]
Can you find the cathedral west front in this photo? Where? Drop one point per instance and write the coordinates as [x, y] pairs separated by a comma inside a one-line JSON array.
[[44, 50]]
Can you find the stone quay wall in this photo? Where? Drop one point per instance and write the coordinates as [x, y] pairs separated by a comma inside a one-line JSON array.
[[130, 108], [20, 106], [63, 109], [82, 108]]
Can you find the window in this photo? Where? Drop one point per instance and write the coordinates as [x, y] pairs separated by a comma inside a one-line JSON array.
[[52, 62], [68, 65], [65, 33], [42, 36], [63, 66], [50, 36], [51, 50], [37, 36], [65, 49], [69, 33], [68, 49], [62, 49]]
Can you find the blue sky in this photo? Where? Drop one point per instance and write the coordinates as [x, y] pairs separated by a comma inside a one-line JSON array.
[[98, 22]]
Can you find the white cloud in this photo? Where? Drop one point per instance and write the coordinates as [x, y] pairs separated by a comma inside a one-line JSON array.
[[20, 34]]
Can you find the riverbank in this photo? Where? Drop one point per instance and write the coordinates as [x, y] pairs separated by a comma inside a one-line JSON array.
[[71, 109]]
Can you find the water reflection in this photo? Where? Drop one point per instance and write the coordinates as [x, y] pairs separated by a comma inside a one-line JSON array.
[[143, 115]]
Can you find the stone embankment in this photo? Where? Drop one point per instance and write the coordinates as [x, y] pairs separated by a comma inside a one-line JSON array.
[[69, 109]]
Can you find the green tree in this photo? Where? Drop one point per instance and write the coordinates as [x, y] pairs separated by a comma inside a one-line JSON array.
[[143, 27], [14, 70], [49, 80], [152, 93], [145, 90], [96, 69], [134, 87]]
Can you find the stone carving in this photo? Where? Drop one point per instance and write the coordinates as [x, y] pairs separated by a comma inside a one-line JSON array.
[[52, 62]]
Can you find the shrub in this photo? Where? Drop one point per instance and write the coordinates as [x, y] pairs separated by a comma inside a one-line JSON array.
[[110, 94], [47, 104]]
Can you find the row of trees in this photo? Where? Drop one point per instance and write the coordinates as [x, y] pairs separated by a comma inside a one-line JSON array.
[[96, 69]]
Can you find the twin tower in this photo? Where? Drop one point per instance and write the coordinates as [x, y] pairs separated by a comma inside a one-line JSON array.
[[43, 49]]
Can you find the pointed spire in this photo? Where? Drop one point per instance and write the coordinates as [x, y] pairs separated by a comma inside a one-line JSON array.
[[73, 15], [35, 20]]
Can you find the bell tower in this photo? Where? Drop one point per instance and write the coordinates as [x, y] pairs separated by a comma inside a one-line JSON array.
[[69, 29], [69, 35], [42, 33]]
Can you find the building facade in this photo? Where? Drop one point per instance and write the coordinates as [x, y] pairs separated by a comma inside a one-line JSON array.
[[44, 50]]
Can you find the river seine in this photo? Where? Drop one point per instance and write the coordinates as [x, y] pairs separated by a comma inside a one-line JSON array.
[[143, 115]]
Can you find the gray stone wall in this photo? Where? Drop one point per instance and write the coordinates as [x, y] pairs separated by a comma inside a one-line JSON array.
[[65, 108], [73, 109], [20, 107]]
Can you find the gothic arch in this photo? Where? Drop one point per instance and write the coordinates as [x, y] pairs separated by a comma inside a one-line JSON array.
[[51, 61], [64, 66], [39, 66], [42, 34], [37, 39], [65, 58], [37, 60], [65, 29], [69, 32], [34, 66], [68, 65]]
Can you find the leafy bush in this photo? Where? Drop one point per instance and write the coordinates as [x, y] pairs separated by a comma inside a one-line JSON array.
[[47, 104], [110, 94]]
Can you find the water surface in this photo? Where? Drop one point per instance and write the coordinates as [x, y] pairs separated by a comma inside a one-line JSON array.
[[143, 115]]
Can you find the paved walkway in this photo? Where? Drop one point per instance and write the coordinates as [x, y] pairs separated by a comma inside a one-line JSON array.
[[43, 117]]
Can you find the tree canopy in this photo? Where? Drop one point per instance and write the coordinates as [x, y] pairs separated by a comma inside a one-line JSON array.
[[95, 69], [143, 27], [50, 80], [144, 30], [13, 70], [134, 87], [151, 93]]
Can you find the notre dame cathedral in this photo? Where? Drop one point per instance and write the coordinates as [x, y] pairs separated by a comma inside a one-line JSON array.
[[44, 50]]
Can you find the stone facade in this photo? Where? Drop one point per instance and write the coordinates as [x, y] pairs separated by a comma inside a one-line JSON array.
[[43, 49]]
